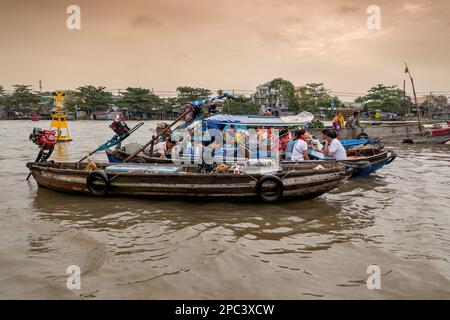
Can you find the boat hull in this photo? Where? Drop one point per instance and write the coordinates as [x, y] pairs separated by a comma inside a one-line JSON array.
[[364, 160], [438, 136], [299, 182], [377, 160], [391, 133]]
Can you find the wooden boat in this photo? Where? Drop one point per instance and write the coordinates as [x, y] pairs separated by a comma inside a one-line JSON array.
[[351, 143], [376, 157], [440, 135], [291, 181]]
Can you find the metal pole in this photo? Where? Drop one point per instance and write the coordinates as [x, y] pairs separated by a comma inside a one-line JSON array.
[[415, 98], [151, 142], [430, 112], [404, 97]]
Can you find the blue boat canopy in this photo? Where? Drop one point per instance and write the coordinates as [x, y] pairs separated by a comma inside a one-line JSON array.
[[300, 120], [200, 103]]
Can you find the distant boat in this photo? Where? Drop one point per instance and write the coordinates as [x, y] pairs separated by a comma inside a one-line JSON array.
[[34, 116], [438, 135]]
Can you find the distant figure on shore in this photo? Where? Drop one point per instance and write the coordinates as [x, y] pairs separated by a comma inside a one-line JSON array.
[[377, 116], [338, 122], [276, 109], [333, 146], [264, 110], [353, 121]]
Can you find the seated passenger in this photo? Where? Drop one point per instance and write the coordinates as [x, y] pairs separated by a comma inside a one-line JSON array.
[[333, 146], [284, 137], [300, 150], [162, 149], [290, 146]]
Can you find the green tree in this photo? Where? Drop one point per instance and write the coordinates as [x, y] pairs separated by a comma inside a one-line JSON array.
[[186, 94], [169, 105], [138, 99], [240, 105], [91, 98], [23, 99], [385, 98], [283, 91], [46, 102], [3, 96], [315, 97], [359, 100]]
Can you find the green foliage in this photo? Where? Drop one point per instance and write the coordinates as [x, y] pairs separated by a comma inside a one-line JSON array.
[[315, 96], [22, 99], [138, 99], [46, 102], [240, 106], [169, 104], [186, 94], [91, 98], [316, 124], [359, 100], [283, 91], [385, 98], [71, 105], [2, 96]]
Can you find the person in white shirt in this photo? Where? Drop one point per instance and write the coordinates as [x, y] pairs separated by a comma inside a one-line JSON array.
[[162, 149], [333, 146], [300, 151]]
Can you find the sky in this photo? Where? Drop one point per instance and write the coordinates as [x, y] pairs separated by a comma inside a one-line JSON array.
[[224, 44]]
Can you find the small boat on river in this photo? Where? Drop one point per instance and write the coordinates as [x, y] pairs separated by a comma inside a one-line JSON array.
[[376, 158], [434, 135]]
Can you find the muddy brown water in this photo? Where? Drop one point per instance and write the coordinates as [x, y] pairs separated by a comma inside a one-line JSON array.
[[398, 219]]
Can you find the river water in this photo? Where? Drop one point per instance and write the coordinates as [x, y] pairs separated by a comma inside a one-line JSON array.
[[398, 219]]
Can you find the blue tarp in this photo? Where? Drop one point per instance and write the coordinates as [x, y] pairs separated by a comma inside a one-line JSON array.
[[200, 103], [354, 143], [252, 121]]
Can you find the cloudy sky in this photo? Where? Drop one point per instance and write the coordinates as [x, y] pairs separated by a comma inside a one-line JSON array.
[[228, 44]]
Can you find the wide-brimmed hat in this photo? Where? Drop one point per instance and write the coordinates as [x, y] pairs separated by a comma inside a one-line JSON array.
[[161, 125]]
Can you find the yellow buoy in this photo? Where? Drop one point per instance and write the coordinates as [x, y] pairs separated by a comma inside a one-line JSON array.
[[59, 117]]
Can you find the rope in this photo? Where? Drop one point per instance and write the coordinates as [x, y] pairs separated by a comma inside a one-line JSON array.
[[287, 174]]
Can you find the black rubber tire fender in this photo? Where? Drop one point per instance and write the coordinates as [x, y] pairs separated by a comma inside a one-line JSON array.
[[392, 156], [95, 190], [278, 183]]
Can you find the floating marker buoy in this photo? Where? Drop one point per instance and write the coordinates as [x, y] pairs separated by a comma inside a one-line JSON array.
[[59, 117]]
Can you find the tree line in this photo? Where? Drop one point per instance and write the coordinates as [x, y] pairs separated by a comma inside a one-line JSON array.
[[312, 97]]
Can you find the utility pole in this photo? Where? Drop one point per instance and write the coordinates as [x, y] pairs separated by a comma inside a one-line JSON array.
[[430, 112], [415, 97], [404, 97]]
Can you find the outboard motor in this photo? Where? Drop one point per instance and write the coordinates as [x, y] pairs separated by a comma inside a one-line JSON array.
[[46, 139], [120, 127]]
